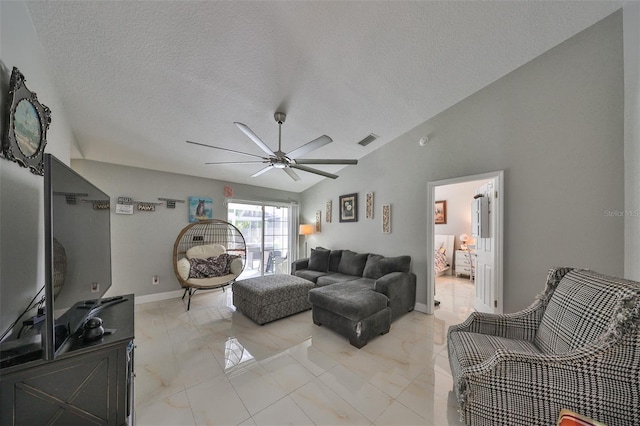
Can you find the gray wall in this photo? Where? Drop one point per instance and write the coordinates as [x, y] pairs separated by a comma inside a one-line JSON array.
[[21, 193], [142, 243], [555, 126], [632, 139]]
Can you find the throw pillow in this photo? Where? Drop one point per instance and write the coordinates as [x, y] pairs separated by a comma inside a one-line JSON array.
[[352, 263], [215, 266], [334, 260], [319, 260], [378, 266]]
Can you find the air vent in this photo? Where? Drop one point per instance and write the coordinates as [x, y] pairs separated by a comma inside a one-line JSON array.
[[366, 141]]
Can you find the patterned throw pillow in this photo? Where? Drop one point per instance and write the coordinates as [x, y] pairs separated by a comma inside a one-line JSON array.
[[216, 266]]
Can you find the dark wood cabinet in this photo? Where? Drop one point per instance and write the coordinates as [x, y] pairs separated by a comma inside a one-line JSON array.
[[89, 384]]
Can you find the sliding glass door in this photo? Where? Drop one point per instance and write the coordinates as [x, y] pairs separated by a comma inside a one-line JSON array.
[[266, 228]]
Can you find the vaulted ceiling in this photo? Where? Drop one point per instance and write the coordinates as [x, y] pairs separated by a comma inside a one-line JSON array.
[[139, 78]]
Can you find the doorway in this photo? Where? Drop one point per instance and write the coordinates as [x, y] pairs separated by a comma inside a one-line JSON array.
[[266, 228], [483, 264]]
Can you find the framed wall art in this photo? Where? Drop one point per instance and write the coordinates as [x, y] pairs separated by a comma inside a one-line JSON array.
[[200, 208], [440, 212], [386, 219], [318, 220], [27, 124], [349, 208], [328, 212], [368, 211]]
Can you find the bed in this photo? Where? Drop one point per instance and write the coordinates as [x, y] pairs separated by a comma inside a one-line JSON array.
[[443, 253]]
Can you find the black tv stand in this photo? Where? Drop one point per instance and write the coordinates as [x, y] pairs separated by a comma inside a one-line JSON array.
[[88, 383]]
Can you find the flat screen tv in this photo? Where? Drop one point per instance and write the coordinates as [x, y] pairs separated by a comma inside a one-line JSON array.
[[77, 252]]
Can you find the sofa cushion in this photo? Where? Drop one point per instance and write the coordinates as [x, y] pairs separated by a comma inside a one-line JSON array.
[[319, 260], [580, 309], [310, 275], [378, 266], [352, 300], [334, 260], [352, 263], [334, 278]]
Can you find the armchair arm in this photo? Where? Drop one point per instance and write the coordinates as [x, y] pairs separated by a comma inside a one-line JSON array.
[[299, 264], [400, 288], [521, 325], [577, 380]]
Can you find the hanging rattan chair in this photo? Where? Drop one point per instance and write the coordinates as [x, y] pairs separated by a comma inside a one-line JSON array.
[[198, 259]]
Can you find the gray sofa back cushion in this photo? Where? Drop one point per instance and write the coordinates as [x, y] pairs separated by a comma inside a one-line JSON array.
[[378, 266], [580, 309], [352, 263], [334, 258], [319, 260]]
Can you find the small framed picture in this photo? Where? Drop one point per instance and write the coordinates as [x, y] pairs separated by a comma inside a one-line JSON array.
[[440, 212], [349, 208], [318, 220], [328, 212], [386, 219], [369, 206], [200, 208]]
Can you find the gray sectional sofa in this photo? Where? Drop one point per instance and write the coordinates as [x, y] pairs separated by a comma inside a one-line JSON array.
[[357, 294]]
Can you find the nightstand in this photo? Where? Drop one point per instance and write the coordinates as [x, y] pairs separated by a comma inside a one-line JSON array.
[[465, 263]]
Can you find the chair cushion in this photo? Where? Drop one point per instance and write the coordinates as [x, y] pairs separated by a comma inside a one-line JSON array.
[[581, 309], [319, 260], [206, 250], [378, 266], [334, 278], [352, 263]]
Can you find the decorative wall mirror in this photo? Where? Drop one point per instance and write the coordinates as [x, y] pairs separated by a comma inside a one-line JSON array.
[[27, 124]]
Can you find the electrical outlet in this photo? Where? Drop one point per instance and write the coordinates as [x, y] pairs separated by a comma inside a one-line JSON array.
[[95, 287], [155, 280]]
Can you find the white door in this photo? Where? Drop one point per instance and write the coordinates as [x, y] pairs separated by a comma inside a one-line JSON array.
[[485, 261]]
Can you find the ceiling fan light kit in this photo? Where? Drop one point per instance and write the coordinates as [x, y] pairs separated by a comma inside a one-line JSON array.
[[280, 159]]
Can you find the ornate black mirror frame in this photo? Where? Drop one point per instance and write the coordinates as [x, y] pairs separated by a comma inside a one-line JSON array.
[[26, 126]]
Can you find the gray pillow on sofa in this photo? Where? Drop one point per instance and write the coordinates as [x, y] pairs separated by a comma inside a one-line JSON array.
[[319, 260], [352, 263], [378, 266], [334, 258]]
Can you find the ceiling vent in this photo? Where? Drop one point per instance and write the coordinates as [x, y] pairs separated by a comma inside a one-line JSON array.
[[366, 141]]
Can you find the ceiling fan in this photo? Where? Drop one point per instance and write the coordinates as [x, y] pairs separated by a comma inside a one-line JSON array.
[[282, 160]]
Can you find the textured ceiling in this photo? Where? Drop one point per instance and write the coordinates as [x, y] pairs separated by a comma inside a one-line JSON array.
[[137, 79]]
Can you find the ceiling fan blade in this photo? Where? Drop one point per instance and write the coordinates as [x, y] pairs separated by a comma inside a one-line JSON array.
[[325, 161], [261, 171], [315, 171], [225, 149], [310, 146], [238, 162], [291, 173], [247, 131]]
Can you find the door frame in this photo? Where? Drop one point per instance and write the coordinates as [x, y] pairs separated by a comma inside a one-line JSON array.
[[498, 176]]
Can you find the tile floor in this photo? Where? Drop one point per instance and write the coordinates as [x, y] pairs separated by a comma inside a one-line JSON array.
[[214, 366]]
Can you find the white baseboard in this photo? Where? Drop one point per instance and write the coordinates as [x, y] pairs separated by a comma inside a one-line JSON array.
[[421, 307], [156, 297]]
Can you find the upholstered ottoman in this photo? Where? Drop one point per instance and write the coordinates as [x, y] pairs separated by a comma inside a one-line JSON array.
[[268, 298], [352, 309]]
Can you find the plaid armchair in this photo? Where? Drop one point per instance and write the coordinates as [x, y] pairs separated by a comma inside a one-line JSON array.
[[576, 347]]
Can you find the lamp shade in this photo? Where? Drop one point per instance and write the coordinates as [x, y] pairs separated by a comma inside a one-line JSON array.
[[306, 229], [463, 238]]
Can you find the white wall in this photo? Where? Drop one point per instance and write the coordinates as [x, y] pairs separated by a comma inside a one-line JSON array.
[[632, 139], [21, 192], [142, 243], [555, 126]]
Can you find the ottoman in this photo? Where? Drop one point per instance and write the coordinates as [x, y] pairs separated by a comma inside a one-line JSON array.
[[352, 309], [268, 298]]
